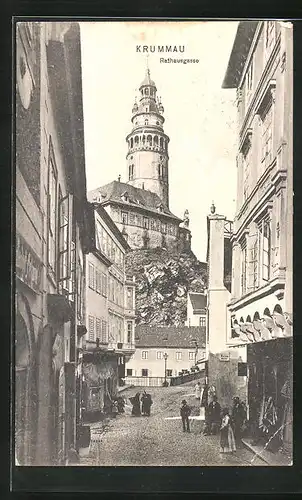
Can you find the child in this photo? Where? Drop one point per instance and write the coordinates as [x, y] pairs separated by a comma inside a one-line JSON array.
[[227, 440]]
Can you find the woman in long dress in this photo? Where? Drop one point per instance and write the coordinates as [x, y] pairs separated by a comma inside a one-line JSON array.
[[197, 390], [135, 401], [227, 440]]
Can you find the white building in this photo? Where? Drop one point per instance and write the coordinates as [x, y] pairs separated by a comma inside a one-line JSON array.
[[184, 347], [196, 309]]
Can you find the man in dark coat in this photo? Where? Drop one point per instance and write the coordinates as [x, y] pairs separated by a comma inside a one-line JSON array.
[[146, 404], [214, 416], [185, 412]]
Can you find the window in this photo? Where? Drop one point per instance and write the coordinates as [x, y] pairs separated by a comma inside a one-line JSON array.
[[265, 234], [243, 270], [253, 264], [125, 217], [66, 261], [266, 139], [97, 281], [159, 355], [169, 373], [104, 332], [179, 356], [104, 285], [98, 328], [144, 354], [129, 372], [131, 218], [146, 223], [91, 276], [191, 355], [91, 334], [152, 224], [202, 321], [129, 332], [52, 218], [164, 227], [246, 173], [129, 298], [144, 372]]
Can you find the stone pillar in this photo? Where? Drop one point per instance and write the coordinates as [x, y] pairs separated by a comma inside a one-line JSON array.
[[218, 295]]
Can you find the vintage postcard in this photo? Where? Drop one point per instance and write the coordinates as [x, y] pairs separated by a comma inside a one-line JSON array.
[[154, 204]]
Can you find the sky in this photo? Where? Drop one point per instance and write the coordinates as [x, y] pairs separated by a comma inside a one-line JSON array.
[[200, 116]]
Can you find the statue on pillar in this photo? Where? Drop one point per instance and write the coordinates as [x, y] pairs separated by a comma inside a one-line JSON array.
[[186, 220]]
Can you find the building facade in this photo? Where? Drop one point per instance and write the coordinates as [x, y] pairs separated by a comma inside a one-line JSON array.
[[110, 318], [261, 302], [196, 309], [52, 239], [184, 347], [140, 207]]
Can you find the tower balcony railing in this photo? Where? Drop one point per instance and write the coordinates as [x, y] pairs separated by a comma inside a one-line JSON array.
[[149, 147]]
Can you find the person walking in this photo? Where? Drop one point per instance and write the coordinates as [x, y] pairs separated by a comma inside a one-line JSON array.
[[238, 418], [197, 390], [135, 401], [146, 404], [227, 440], [214, 416], [185, 412]]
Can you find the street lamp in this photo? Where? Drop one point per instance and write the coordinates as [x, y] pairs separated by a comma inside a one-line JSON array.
[[165, 358]]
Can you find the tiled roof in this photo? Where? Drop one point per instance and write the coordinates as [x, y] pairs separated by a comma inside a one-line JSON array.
[[198, 301], [136, 197], [169, 336]]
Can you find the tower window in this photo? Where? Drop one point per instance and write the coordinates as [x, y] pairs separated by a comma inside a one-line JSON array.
[[157, 123], [147, 91], [146, 110], [146, 223], [161, 142], [131, 143]]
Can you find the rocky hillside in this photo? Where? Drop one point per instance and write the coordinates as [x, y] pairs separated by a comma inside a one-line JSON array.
[[162, 282]]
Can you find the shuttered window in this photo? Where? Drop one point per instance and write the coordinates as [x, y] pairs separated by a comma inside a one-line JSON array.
[[98, 327], [91, 276], [91, 330]]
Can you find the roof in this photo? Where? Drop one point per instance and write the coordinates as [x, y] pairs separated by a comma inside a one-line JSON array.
[[242, 43], [147, 80], [170, 336], [111, 225], [198, 301], [138, 197]]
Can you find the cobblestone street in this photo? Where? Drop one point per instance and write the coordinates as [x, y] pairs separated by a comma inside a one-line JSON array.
[[158, 441]]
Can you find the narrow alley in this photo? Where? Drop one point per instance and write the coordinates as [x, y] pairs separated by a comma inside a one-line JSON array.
[[158, 440]]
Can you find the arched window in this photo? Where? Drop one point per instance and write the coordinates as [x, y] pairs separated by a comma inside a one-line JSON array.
[[143, 139], [158, 169], [131, 142], [149, 140], [146, 122], [161, 142], [156, 140], [136, 139], [147, 91], [278, 309]]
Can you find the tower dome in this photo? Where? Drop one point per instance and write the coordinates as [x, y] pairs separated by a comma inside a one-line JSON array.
[[147, 82]]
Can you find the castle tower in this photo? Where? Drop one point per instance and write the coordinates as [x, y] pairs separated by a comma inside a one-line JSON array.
[[147, 157]]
